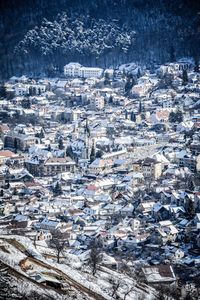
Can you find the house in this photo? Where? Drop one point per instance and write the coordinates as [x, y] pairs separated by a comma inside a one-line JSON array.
[[2, 180], [175, 68], [99, 165], [159, 274], [187, 160], [161, 115], [21, 221], [178, 254], [43, 235], [146, 207], [48, 224], [197, 221], [169, 229], [130, 241], [5, 155], [19, 141], [50, 166], [97, 102], [135, 224], [149, 167], [160, 212], [4, 128], [57, 165], [165, 232]]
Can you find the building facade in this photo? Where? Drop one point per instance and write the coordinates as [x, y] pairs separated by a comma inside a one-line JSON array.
[[149, 167], [77, 70]]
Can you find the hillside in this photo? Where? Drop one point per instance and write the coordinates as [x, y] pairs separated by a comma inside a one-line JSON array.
[[30, 271], [41, 36]]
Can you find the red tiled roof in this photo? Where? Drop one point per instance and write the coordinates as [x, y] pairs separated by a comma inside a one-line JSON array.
[[7, 153], [162, 115], [91, 187]]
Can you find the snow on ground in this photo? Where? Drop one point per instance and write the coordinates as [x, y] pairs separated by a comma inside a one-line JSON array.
[[73, 268], [12, 257]]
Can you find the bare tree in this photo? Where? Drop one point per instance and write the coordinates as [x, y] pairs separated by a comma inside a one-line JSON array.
[[116, 283], [34, 241], [129, 289], [95, 258], [58, 242], [165, 291]]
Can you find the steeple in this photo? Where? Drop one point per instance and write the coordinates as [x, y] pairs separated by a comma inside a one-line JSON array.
[[86, 139]]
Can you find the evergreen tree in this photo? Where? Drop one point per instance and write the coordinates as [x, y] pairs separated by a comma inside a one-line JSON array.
[[34, 91], [179, 116], [140, 107], [1, 193], [185, 77], [30, 90], [57, 189], [92, 154], [41, 134], [15, 145], [191, 185], [110, 101], [106, 79], [139, 74], [2, 91], [15, 191], [7, 184], [87, 129], [129, 83], [99, 154], [26, 103], [133, 117], [190, 207], [172, 54], [176, 117], [60, 144], [196, 62], [69, 152], [172, 117]]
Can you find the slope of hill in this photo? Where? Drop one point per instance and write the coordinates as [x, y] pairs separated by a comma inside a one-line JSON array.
[[28, 267], [94, 33]]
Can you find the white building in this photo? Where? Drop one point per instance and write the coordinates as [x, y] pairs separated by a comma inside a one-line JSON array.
[[97, 102], [21, 90], [25, 89], [77, 70]]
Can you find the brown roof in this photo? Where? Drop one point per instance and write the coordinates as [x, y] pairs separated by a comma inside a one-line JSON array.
[[4, 127], [32, 184], [7, 153], [74, 211], [59, 160], [146, 162], [165, 271], [163, 114], [91, 187]]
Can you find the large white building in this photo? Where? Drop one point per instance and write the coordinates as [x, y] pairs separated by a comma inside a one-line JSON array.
[[77, 70], [24, 89]]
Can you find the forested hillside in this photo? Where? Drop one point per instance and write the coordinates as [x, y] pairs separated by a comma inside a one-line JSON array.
[[41, 36]]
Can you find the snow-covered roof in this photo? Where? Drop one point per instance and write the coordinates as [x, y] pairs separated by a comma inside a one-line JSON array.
[[73, 65], [161, 273]]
